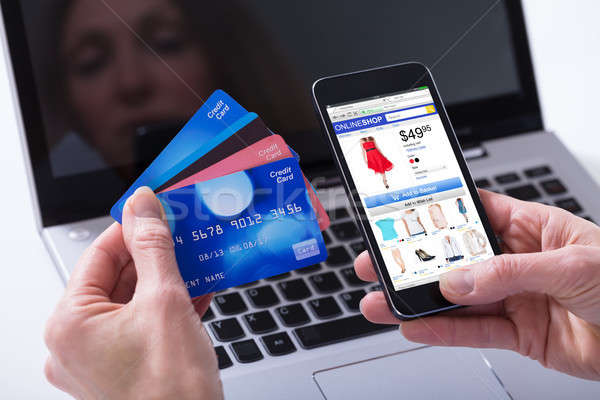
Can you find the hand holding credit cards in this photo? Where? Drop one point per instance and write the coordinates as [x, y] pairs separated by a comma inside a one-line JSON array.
[[237, 203]]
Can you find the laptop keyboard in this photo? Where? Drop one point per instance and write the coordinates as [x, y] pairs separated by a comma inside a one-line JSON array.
[[307, 308], [534, 184], [319, 305]]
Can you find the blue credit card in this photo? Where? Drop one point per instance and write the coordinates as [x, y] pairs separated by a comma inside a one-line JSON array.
[[218, 118], [243, 227], [220, 112]]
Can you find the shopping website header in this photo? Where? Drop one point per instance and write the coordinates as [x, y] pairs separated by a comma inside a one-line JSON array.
[[398, 115]]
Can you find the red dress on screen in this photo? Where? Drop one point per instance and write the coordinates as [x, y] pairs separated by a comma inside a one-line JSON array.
[[375, 160]]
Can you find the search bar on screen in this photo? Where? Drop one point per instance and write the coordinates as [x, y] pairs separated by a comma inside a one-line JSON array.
[[410, 113]]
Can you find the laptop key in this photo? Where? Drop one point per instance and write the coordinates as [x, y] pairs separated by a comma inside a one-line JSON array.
[[325, 307], [294, 289], [293, 315], [208, 315], [483, 183], [326, 282], [223, 358], [537, 171], [278, 344], [309, 269], [227, 330], [525, 192], [249, 284], [507, 178], [246, 351], [326, 238], [338, 330], [345, 230], [231, 303], [351, 278], [352, 299], [375, 288], [569, 204], [338, 213], [279, 277], [338, 256], [260, 322], [553, 186], [262, 296], [358, 247]]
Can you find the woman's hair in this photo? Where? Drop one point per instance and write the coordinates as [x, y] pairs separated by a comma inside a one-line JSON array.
[[243, 50]]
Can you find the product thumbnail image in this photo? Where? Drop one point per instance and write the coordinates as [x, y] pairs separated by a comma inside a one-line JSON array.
[[412, 223], [423, 255], [398, 259], [475, 242], [386, 226], [437, 216], [451, 249], [462, 209], [374, 159]]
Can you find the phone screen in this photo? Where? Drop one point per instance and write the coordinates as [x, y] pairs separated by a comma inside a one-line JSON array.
[[410, 184]]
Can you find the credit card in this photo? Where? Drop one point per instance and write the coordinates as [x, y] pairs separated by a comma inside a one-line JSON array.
[[243, 227], [218, 118], [246, 136], [269, 149]]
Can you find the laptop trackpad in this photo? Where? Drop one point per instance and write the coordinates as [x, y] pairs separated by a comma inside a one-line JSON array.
[[423, 373]]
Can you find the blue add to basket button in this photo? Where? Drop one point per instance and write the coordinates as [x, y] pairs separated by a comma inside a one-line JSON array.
[[412, 192]]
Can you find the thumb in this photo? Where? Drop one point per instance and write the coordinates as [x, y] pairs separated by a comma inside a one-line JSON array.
[[570, 274], [148, 239]]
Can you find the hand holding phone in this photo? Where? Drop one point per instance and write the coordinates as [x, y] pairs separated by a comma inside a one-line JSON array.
[[407, 180]]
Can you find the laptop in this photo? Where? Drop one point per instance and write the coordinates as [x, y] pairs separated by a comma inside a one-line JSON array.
[[102, 86]]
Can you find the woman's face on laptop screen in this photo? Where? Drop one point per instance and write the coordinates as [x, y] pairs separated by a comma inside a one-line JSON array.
[[117, 79], [116, 82], [129, 74]]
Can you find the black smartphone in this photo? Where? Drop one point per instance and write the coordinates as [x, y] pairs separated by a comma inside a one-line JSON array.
[[407, 180]]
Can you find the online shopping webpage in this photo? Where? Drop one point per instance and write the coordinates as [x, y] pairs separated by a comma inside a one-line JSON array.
[[411, 185]]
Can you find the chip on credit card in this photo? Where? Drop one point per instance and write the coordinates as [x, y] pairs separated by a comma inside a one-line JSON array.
[[243, 227]]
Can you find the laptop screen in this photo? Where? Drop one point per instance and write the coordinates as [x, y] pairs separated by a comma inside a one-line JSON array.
[[115, 80]]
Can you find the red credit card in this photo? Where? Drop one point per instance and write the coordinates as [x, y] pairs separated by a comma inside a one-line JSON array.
[[267, 150]]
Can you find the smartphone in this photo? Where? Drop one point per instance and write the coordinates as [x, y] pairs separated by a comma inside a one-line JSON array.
[[407, 180]]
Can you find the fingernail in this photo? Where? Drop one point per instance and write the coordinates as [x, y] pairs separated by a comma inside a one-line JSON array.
[[459, 281], [144, 204], [360, 305]]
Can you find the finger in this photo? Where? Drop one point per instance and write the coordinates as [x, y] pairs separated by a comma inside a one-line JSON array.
[[519, 223], [569, 274], [364, 267], [498, 208], [483, 332], [202, 303], [374, 308], [125, 287], [100, 265], [148, 239]]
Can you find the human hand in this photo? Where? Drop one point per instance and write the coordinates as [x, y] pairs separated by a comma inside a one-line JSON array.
[[126, 326], [541, 298]]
